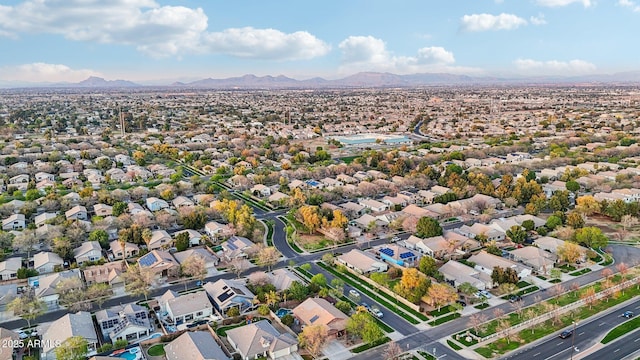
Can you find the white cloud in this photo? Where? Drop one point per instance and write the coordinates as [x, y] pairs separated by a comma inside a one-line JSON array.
[[629, 4], [266, 44], [538, 20], [156, 30], [367, 53], [555, 67], [485, 22], [559, 3], [43, 72]]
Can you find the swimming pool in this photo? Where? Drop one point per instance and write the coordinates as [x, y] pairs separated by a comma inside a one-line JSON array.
[[131, 354]]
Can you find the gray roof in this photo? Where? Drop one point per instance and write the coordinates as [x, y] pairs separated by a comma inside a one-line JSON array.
[[256, 338], [70, 325], [206, 255], [189, 303], [196, 345]]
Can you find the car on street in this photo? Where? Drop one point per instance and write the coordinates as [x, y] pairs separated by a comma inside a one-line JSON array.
[[365, 305], [23, 335], [376, 312], [515, 298], [628, 314], [395, 238], [565, 334], [461, 302], [354, 294], [485, 293]]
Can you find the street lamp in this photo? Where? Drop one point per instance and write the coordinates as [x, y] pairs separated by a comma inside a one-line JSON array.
[[573, 339]]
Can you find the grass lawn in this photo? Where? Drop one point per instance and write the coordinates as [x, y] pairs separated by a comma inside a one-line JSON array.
[[444, 319], [269, 232], [522, 284], [528, 290], [581, 272], [541, 277], [620, 330], [443, 310], [426, 355], [555, 281], [567, 268], [453, 345], [370, 345], [462, 339], [482, 306], [156, 350]]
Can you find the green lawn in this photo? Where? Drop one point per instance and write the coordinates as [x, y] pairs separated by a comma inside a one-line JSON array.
[[567, 268], [444, 319], [522, 284], [482, 306], [453, 345], [370, 345], [443, 310], [156, 350], [620, 330], [528, 290], [580, 272], [426, 355]]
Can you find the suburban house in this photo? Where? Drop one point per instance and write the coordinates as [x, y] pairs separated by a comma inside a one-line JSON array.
[[181, 201], [68, 326], [318, 311], [226, 294], [45, 285], [195, 345], [185, 308], [552, 244], [398, 255], [283, 278], [194, 236], [260, 190], [154, 204], [102, 210], [77, 212], [541, 261], [45, 262], [88, 251], [9, 337], [261, 339], [209, 258], [14, 222], [40, 176], [236, 247], [41, 220], [362, 262], [107, 273], [159, 239], [369, 222], [9, 268], [215, 229], [130, 249], [491, 233], [457, 273], [160, 263], [373, 205], [129, 322], [485, 262], [353, 210], [448, 245]]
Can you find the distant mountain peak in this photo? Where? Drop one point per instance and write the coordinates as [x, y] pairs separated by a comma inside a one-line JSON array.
[[95, 81]]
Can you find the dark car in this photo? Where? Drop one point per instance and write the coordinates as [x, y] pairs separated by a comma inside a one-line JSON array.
[[565, 334], [196, 323], [365, 305], [628, 314], [461, 302], [515, 298]]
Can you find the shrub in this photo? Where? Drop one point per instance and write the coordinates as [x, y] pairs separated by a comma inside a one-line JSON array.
[[287, 319]]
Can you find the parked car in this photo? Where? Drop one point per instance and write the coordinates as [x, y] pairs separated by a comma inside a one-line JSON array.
[[354, 293], [515, 298], [486, 294], [628, 314], [565, 334], [461, 302], [365, 305], [395, 238]]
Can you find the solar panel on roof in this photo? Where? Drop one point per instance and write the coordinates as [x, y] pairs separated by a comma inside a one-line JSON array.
[[147, 260], [387, 251], [406, 255], [224, 296], [231, 246], [314, 318]]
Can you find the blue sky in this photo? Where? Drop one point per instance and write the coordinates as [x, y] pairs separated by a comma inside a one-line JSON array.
[[168, 40]]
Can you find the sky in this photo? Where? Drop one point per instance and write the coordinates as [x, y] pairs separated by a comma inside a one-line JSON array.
[[158, 41]]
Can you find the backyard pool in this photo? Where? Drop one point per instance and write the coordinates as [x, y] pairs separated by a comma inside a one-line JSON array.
[[131, 354], [282, 312]]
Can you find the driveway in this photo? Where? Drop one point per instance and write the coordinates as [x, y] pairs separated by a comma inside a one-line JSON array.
[[334, 350]]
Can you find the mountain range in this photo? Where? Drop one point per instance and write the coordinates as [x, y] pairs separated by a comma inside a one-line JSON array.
[[359, 80]]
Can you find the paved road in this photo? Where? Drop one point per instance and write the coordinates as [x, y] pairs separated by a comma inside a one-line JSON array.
[[625, 348], [587, 334], [390, 318]]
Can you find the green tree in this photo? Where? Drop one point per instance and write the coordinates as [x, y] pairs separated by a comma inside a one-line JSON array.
[[32, 195], [591, 237], [412, 285], [575, 220], [428, 227], [182, 241], [100, 236], [363, 325], [428, 266], [193, 219], [528, 225], [73, 348], [27, 306], [119, 208], [319, 279], [343, 306], [467, 290], [572, 186], [298, 291], [516, 234], [553, 222]]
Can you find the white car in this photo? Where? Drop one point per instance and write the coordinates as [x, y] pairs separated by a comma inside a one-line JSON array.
[[354, 293], [395, 238], [486, 294], [376, 312]]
